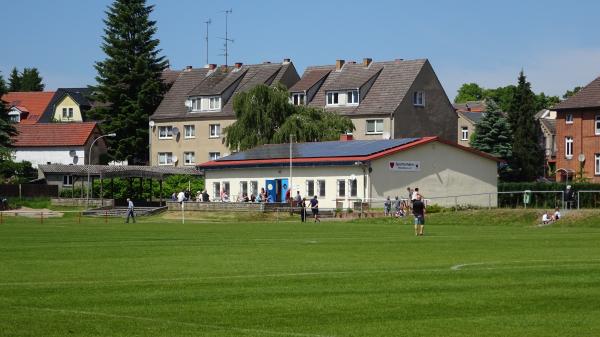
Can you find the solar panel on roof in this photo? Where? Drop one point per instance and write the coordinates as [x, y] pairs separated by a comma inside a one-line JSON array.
[[319, 149]]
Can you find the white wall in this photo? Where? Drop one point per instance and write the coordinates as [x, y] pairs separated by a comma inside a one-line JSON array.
[[55, 155]]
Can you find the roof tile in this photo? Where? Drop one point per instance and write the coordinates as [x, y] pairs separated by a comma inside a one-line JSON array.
[[53, 134]]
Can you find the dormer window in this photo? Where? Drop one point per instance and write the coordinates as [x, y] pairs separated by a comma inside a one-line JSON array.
[[214, 103], [14, 116], [298, 99], [333, 98], [419, 98], [343, 98], [205, 104], [352, 97]]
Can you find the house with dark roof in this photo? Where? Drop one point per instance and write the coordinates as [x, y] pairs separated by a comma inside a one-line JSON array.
[[578, 134], [390, 99], [343, 172], [27, 107], [68, 105], [187, 126], [466, 125]]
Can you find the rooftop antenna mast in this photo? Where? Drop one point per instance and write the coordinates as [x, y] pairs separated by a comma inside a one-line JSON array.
[[206, 38], [226, 38]]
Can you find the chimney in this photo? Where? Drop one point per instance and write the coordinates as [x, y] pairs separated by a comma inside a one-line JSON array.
[[188, 68], [351, 62], [267, 62], [399, 60], [223, 67], [238, 65], [367, 61], [339, 64], [286, 61], [346, 137], [211, 66]]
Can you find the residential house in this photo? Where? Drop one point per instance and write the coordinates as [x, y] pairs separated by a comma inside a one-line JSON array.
[[27, 107], [547, 120], [188, 125], [68, 105], [578, 134], [466, 126], [391, 99]]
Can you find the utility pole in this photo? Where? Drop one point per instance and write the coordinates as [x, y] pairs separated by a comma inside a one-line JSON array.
[[206, 38], [226, 38]]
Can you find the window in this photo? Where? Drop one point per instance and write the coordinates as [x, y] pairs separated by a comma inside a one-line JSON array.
[[165, 132], [597, 165], [244, 187], [569, 119], [216, 191], [321, 188], [67, 180], [597, 125], [226, 189], [374, 126], [189, 158], [298, 99], [253, 187], [214, 103], [14, 116], [465, 133], [189, 131], [353, 187], [214, 155], [310, 188], [341, 188], [419, 98], [569, 147], [214, 130], [165, 158], [332, 98], [67, 112], [205, 104], [352, 97]]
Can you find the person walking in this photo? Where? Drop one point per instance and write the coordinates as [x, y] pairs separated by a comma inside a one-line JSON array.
[[387, 206], [302, 205], [130, 211], [419, 213], [314, 207]]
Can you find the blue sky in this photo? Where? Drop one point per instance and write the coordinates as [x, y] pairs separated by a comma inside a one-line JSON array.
[[488, 42]]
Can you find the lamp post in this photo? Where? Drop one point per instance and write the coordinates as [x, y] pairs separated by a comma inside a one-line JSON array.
[[290, 186], [87, 199], [566, 182]]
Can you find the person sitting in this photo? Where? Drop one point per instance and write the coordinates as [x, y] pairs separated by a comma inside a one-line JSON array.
[[205, 197], [253, 198], [546, 218], [556, 214], [245, 197]]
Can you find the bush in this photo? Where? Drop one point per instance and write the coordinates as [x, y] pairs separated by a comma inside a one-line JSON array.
[[546, 200]]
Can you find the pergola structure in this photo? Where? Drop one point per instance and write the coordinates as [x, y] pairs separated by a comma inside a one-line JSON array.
[[79, 173]]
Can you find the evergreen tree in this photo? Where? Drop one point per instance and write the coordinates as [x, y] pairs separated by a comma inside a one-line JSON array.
[[14, 81], [129, 79], [492, 133], [527, 154], [7, 130], [31, 80], [3, 87]]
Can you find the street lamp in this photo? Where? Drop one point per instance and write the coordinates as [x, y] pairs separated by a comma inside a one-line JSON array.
[[566, 181], [87, 199]]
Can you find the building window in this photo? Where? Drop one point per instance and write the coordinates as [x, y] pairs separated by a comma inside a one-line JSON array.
[[214, 130], [189, 131], [189, 158], [569, 119], [597, 165], [214, 103], [216, 191], [321, 188], [569, 147], [226, 189], [353, 187], [14, 116], [352, 97], [165, 158], [465, 133], [165, 132], [419, 98], [298, 99], [374, 126], [253, 187], [214, 155], [310, 188], [67, 180], [597, 125], [67, 112], [332, 98], [341, 188], [244, 188]]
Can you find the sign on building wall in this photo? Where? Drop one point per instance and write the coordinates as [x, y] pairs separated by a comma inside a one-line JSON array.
[[405, 166]]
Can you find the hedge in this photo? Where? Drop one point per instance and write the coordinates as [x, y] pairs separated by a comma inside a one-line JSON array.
[[547, 200]]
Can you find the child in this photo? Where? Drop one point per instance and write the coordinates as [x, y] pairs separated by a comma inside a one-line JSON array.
[[556, 215], [545, 218]]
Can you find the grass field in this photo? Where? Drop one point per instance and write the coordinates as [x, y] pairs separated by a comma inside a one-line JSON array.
[[475, 273]]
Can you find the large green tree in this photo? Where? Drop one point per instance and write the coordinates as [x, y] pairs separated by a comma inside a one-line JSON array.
[[14, 80], [264, 115], [7, 129], [570, 93], [31, 80], [527, 160], [503, 96], [469, 92], [492, 133], [129, 79]]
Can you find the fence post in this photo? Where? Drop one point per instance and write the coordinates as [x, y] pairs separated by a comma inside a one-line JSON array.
[[41, 217], [79, 218], [106, 216], [578, 198], [1, 219], [455, 203], [20, 192]]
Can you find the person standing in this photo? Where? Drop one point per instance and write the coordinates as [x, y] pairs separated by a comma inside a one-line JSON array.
[[302, 205], [387, 206], [314, 207], [298, 198], [419, 213], [130, 211]]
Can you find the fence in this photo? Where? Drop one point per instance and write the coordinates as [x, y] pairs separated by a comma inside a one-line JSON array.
[[28, 190]]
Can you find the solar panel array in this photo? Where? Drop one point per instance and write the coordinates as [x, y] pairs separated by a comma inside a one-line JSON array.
[[319, 149]]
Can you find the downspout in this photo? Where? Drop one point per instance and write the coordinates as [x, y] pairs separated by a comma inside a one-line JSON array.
[[392, 126]]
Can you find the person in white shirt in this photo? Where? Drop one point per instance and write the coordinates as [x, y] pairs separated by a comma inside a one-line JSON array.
[[415, 193], [545, 218], [556, 215], [130, 211]]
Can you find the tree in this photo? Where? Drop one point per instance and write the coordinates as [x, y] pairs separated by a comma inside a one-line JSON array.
[[469, 92], [492, 133], [503, 96], [14, 81], [129, 79], [31, 80], [545, 102], [527, 155], [264, 115], [3, 87], [570, 93], [7, 129]]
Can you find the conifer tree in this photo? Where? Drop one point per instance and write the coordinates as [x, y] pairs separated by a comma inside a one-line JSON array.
[[14, 81], [527, 160], [31, 80], [7, 129], [129, 79], [492, 133]]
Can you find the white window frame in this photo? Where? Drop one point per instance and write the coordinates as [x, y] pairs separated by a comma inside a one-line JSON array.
[[244, 188], [569, 119], [189, 131], [353, 97], [214, 155], [165, 158], [14, 116], [329, 98], [597, 164], [168, 132], [464, 133], [67, 180], [216, 190], [253, 188], [350, 183], [597, 125], [375, 122], [321, 190], [191, 155], [341, 188], [217, 133], [299, 98], [419, 98], [569, 147], [310, 190]]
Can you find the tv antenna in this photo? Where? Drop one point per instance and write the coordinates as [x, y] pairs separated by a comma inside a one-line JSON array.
[[206, 38], [226, 38]]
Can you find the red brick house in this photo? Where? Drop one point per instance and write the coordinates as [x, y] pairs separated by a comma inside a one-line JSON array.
[[578, 134]]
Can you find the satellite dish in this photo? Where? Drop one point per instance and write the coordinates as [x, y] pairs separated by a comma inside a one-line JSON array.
[[175, 159], [151, 123], [73, 153], [175, 131], [385, 135]]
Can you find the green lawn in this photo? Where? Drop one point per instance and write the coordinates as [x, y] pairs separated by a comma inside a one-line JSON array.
[[475, 273]]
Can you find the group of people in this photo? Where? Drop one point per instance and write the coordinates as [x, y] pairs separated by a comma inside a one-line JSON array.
[[301, 202], [201, 196], [403, 207], [547, 218]]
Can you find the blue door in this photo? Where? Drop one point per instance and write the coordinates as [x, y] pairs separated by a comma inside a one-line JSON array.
[[284, 189], [271, 191]]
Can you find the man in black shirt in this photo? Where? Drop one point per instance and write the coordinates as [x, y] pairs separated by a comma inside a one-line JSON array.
[[419, 213]]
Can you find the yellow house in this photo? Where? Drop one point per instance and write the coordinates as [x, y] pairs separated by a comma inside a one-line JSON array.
[[68, 105]]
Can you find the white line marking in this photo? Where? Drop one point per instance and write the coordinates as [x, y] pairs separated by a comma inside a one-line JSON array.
[[156, 320], [459, 266], [554, 263]]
